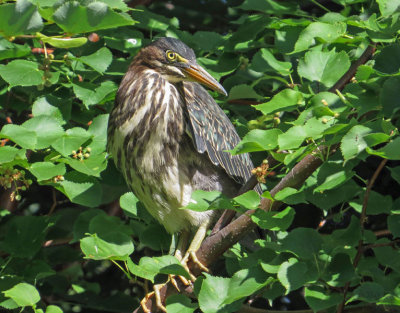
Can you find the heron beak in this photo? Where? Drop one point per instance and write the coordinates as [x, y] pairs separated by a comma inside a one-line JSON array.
[[200, 75]]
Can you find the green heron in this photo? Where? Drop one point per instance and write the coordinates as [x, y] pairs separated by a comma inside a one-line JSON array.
[[169, 137]]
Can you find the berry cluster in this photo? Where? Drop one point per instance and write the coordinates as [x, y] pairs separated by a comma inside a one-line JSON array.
[[82, 153], [261, 171], [45, 67], [14, 177]]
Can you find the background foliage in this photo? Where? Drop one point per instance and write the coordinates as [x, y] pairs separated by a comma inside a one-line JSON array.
[[65, 246]]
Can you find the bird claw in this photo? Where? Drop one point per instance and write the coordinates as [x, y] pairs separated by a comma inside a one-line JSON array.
[[192, 255], [156, 293], [157, 296]]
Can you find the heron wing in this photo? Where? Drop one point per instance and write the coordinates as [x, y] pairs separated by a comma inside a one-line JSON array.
[[212, 132]]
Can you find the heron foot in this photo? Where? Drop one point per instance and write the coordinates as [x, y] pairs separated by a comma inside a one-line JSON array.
[[191, 255], [156, 294]]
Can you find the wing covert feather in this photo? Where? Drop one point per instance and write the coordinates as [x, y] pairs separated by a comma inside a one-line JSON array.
[[212, 132]]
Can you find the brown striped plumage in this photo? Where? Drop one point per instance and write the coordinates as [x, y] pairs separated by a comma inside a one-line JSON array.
[[168, 136]]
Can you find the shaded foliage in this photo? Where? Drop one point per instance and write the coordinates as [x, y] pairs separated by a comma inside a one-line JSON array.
[[66, 246]]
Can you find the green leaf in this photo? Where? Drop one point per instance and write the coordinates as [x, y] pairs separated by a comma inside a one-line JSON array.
[[387, 256], [82, 189], [24, 236], [320, 299], [264, 61], [387, 61], [364, 72], [275, 221], [116, 4], [205, 200], [46, 170], [47, 129], [353, 142], [394, 225], [156, 22], [377, 203], [394, 172], [64, 43], [249, 200], [376, 139], [348, 236], [246, 282], [98, 129], [212, 295], [273, 291], [9, 304], [21, 73], [74, 18], [339, 271], [102, 225], [292, 138], [324, 67], [268, 6], [390, 96], [91, 94], [23, 294], [53, 309], [258, 140], [290, 195], [294, 274], [315, 128], [128, 202], [208, 41], [180, 304], [286, 100], [389, 300], [99, 61], [324, 31], [19, 18], [20, 135], [332, 175], [8, 153], [149, 268], [303, 242], [388, 7], [71, 140], [243, 91], [81, 224], [112, 246], [92, 166], [369, 292], [10, 50], [43, 106], [390, 151]]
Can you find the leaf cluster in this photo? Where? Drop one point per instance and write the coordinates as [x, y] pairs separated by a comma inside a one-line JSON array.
[[63, 244]]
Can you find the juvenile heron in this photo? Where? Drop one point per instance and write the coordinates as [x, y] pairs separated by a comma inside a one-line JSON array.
[[169, 137]]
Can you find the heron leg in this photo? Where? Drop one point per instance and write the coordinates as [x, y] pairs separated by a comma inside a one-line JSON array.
[[195, 245], [179, 254]]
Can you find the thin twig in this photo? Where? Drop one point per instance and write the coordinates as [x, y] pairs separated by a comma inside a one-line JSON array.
[[363, 217], [54, 204], [383, 244], [345, 79]]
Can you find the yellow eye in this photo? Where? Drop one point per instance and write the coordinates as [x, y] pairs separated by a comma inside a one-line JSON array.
[[171, 56]]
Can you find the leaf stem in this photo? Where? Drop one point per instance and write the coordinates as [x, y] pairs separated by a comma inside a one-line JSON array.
[[320, 5]]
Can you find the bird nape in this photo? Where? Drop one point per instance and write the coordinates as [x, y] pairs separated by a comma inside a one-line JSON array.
[[169, 137]]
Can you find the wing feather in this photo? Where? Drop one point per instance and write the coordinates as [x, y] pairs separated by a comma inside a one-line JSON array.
[[212, 132]]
